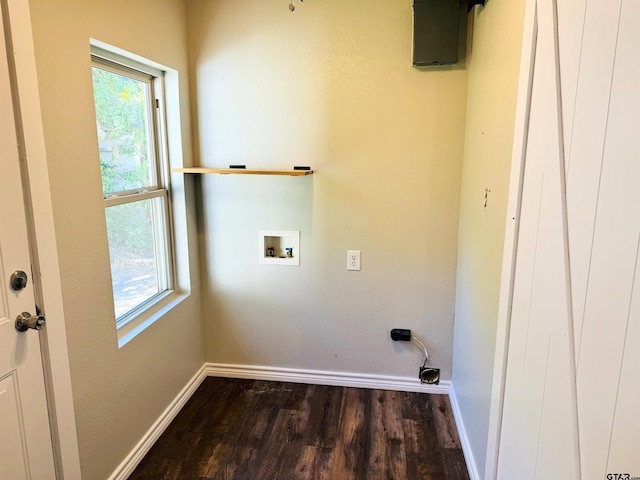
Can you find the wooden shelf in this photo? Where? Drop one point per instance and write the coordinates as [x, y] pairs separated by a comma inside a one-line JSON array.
[[241, 171]]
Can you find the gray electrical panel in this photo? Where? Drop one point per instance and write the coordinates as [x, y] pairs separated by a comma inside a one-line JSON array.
[[436, 25]]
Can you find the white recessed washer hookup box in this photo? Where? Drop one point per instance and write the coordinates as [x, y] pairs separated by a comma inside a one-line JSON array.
[[279, 247]]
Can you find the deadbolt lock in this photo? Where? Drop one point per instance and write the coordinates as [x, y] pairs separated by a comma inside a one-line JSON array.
[[18, 280]]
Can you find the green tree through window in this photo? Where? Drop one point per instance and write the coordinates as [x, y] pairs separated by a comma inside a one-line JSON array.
[[123, 131]]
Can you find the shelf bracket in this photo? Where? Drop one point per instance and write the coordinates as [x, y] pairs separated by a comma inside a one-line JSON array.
[[473, 3]]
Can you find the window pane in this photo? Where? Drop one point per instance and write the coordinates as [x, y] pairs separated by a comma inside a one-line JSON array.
[[137, 249], [124, 131]]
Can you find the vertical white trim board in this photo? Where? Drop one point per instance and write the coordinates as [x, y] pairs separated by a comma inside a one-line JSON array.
[[462, 433], [325, 377], [136, 455]]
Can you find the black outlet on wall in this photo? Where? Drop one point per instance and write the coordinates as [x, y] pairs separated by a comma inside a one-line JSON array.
[[403, 334]]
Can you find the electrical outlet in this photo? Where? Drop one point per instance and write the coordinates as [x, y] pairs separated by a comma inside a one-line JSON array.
[[353, 259]]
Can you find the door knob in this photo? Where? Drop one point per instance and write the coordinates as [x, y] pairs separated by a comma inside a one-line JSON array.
[[25, 321]]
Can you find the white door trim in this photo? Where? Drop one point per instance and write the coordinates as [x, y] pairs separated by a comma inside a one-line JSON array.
[[53, 338], [521, 130]]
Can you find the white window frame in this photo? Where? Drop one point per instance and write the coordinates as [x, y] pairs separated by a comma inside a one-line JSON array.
[[139, 318]]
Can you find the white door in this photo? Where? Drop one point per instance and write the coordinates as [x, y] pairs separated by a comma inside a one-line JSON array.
[[539, 438], [572, 390], [25, 439]]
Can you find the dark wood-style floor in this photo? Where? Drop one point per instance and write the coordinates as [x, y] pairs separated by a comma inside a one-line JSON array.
[[258, 430]]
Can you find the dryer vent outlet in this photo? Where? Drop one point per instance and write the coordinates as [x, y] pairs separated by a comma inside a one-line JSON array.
[[429, 375]]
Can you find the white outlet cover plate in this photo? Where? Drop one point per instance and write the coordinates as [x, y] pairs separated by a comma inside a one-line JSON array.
[[353, 260]]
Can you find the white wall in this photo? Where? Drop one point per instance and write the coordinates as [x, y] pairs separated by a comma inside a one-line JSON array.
[[118, 393], [491, 101], [331, 86]]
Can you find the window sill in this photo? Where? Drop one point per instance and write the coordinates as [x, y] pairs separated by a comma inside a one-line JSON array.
[[137, 325]]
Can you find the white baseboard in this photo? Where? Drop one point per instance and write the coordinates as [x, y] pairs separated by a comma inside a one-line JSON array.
[[324, 377], [132, 460], [462, 433]]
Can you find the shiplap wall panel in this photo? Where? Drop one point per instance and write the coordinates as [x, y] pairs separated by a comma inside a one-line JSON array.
[[571, 15], [554, 450], [536, 388], [520, 406], [625, 439], [615, 242], [584, 151]]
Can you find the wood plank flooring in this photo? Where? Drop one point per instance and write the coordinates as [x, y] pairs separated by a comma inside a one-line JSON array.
[[259, 430]]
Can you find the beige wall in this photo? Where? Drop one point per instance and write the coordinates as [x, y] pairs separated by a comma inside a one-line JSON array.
[[493, 81], [331, 86], [118, 393]]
